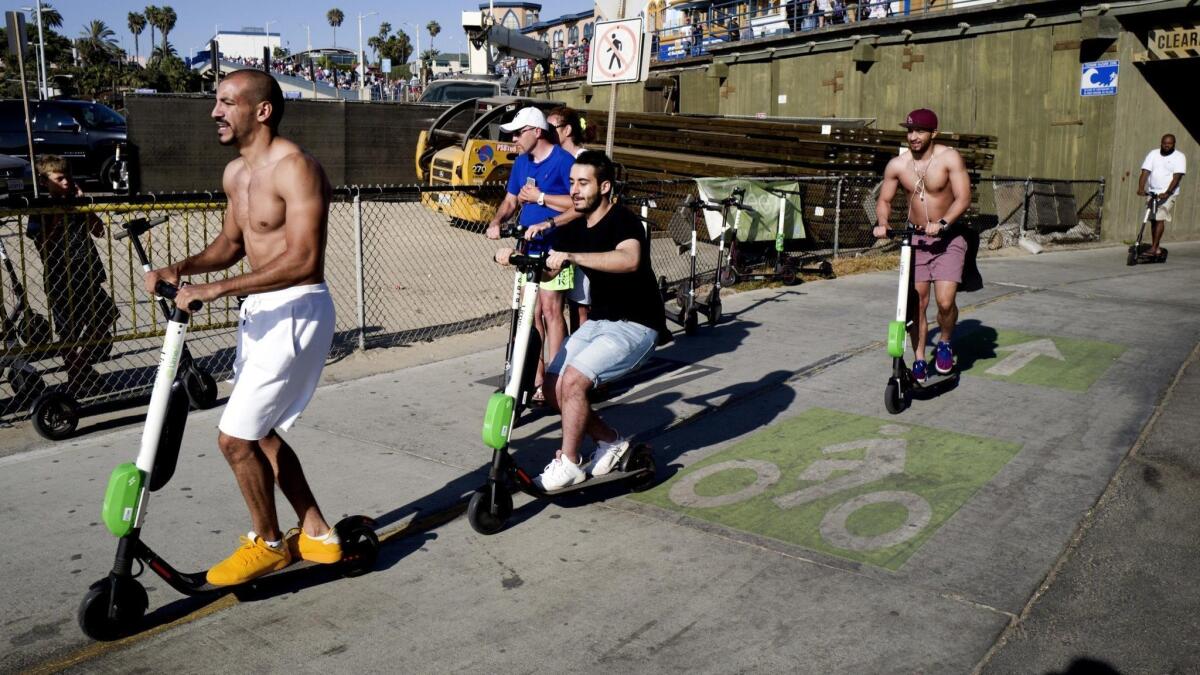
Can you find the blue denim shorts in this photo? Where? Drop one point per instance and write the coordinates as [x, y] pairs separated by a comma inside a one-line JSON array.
[[605, 350]]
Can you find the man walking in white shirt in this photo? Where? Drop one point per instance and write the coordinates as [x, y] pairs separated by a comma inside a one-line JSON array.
[[1161, 173]]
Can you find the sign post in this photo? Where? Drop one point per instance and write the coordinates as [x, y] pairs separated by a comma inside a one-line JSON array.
[[618, 56], [17, 44]]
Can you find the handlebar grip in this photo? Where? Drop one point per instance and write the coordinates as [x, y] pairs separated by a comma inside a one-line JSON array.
[[137, 226], [513, 230], [169, 290], [522, 260]]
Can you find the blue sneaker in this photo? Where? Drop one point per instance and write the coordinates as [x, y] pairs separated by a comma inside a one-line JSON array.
[[944, 360], [920, 370]]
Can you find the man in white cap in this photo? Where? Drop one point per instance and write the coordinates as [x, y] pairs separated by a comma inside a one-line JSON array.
[[540, 184]]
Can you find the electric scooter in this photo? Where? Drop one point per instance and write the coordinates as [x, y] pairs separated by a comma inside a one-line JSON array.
[[689, 306], [1139, 252], [200, 386], [492, 504], [21, 327], [56, 413], [749, 264], [898, 393], [114, 606]]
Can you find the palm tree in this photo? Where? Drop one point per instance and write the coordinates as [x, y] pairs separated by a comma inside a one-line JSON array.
[[434, 28], [375, 43], [166, 22], [335, 18], [137, 23], [51, 18], [97, 42], [151, 13], [163, 51]]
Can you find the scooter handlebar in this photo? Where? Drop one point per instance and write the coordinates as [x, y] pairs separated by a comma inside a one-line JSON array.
[[527, 261], [512, 230], [168, 290], [909, 229], [137, 226]]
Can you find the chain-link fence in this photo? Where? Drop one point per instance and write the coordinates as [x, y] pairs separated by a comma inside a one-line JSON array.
[[404, 264], [1058, 211]]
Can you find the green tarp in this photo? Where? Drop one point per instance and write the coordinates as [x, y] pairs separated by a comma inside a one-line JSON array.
[[765, 199]]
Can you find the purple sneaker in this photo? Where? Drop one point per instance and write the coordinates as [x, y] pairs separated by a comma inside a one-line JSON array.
[[944, 360], [920, 370]]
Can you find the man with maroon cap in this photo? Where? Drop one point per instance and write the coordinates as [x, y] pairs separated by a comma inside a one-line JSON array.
[[939, 192]]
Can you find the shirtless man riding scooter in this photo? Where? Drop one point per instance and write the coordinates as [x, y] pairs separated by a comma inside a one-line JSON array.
[[939, 192]]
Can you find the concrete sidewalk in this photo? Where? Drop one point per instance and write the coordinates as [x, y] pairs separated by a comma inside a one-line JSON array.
[[797, 527]]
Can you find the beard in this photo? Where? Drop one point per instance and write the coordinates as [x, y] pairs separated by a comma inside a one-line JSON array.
[[1166, 153], [588, 205]]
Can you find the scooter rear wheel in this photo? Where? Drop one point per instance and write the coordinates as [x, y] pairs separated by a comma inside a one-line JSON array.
[[361, 545], [131, 603], [640, 459], [55, 415], [481, 518], [893, 399]]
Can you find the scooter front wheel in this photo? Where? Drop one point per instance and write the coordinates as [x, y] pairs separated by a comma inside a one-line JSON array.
[[55, 415], [1131, 259], [201, 389], [691, 322], [479, 513], [893, 398], [130, 605]]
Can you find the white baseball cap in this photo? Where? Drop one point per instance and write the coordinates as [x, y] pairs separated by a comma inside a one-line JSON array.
[[527, 117]]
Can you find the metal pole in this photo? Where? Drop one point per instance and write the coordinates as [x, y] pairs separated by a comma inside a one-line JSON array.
[[43, 84], [1025, 208], [28, 128], [360, 272], [612, 103], [837, 218], [1100, 211]]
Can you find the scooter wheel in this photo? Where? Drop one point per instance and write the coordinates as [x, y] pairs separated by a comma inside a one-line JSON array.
[[481, 518], [131, 603], [893, 399], [201, 389], [639, 460], [714, 313], [788, 276], [55, 415], [691, 322], [1131, 259], [361, 547]]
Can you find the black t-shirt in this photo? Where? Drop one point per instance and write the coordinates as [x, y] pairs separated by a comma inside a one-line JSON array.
[[629, 296]]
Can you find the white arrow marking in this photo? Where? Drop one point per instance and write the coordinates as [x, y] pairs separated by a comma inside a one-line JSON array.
[[1022, 354]]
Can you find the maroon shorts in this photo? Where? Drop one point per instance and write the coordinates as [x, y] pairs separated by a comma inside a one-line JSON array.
[[939, 258]]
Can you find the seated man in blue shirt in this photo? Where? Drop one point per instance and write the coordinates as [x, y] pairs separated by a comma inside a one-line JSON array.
[[540, 186]]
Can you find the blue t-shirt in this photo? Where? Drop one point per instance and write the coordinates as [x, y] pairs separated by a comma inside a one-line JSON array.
[[552, 176]]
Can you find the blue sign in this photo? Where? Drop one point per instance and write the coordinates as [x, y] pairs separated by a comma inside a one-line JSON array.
[[1098, 78]]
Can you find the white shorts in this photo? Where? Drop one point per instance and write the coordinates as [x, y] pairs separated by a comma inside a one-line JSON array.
[[1165, 208], [581, 292], [284, 337]]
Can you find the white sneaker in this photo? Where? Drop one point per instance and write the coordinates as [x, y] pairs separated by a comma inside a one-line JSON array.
[[559, 474], [608, 455]]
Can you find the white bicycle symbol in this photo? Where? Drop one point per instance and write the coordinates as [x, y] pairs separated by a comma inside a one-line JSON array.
[[883, 457]]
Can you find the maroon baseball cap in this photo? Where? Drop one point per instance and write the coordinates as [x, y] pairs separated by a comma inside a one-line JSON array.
[[922, 118]]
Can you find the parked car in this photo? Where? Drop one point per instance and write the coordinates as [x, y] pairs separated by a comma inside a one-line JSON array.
[[89, 135], [454, 90], [16, 177]]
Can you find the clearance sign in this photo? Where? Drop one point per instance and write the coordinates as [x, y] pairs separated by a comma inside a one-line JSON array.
[[1174, 42]]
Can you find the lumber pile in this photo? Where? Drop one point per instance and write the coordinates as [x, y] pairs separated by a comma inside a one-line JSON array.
[[661, 146]]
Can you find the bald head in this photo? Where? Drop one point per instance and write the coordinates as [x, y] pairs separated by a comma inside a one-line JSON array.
[[255, 87]]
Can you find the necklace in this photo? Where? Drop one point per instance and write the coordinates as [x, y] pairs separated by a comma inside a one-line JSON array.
[[919, 188]]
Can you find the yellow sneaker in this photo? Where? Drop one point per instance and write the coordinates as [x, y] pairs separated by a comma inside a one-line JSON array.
[[325, 550], [252, 560]]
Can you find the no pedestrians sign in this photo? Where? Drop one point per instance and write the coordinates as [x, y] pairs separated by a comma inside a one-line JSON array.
[[618, 52]]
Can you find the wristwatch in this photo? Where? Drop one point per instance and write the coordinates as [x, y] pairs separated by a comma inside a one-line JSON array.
[[541, 200], [943, 223]]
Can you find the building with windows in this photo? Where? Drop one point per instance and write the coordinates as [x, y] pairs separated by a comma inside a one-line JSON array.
[[246, 43], [566, 30], [514, 15]]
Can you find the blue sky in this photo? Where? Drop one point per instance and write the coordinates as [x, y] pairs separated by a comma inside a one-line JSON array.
[[198, 18]]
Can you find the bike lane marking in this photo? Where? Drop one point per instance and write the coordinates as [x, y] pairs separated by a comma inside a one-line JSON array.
[[1057, 362], [861, 488]]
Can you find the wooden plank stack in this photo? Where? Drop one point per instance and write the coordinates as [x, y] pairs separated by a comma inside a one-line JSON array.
[[672, 146]]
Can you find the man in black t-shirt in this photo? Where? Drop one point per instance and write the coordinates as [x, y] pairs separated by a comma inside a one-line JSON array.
[[623, 324]]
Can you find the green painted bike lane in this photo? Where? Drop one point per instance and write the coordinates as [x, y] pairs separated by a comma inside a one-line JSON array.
[[862, 488]]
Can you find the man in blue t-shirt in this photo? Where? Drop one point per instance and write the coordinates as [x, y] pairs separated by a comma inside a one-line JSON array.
[[540, 185]]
